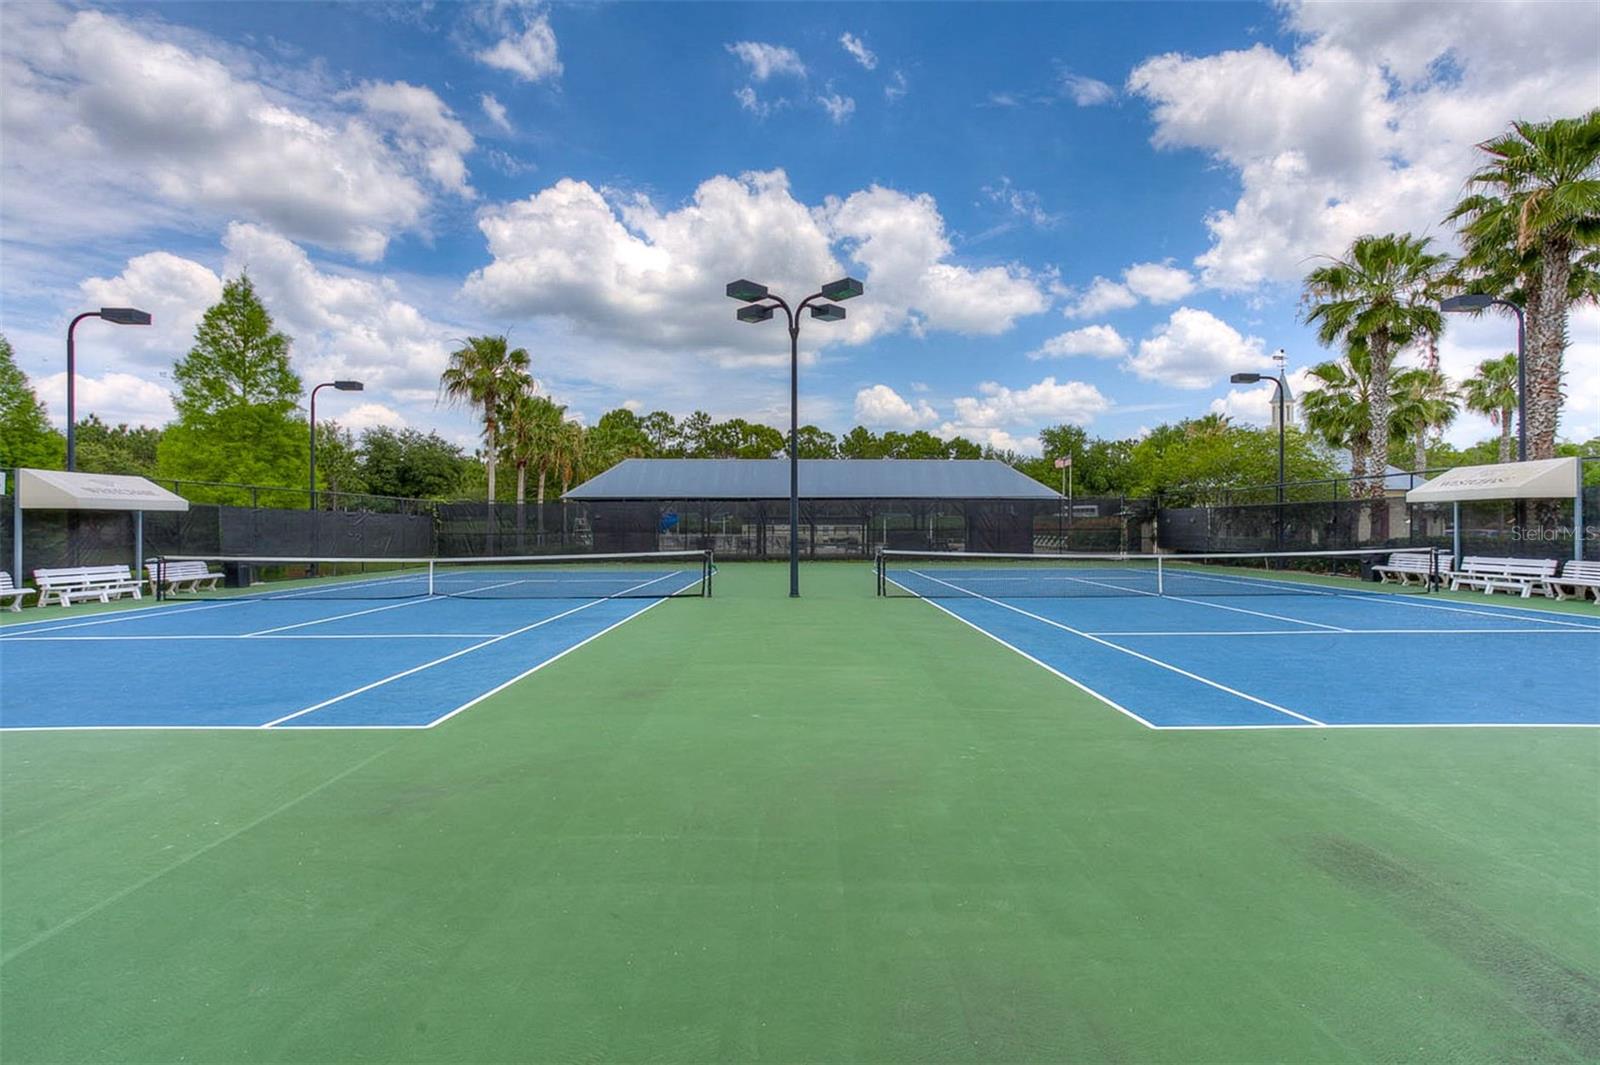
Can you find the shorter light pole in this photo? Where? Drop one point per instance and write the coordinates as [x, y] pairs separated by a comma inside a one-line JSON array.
[[1473, 302], [759, 311], [116, 316], [1282, 389], [342, 386]]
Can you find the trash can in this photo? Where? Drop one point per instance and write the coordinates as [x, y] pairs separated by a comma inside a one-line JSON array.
[[238, 574]]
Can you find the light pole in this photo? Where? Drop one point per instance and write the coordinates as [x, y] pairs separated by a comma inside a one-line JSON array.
[[1282, 388], [762, 304], [343, 386], [1473, 302], [116, 316]]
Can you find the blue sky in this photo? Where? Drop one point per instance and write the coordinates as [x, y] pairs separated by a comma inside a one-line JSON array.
[[1074, 212]]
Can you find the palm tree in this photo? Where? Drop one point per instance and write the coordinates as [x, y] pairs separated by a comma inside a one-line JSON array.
[[529, 422], [569, 453], [1383, 293], [1336, 406], [1531, 227], [1493, 391], [484, 373], [1422, 403]]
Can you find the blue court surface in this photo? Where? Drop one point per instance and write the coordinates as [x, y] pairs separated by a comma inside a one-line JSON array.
[[1301, 658], [287, 662]]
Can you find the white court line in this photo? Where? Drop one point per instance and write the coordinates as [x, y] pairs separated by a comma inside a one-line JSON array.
[[1143, 657], [1386, 725], [138, 613], [1349, 632], [1529, 614], [370, 610], [257, 636], [470, 703], [455, 654], [1042, 665]]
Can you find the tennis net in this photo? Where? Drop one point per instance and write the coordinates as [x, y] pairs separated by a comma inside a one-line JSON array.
[[637, 575], [942, 575]]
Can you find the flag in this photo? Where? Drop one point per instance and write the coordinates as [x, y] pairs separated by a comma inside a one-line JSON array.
[[1062, 464]]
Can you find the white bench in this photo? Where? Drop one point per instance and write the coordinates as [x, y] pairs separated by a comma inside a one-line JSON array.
[[1577, 579], [1403, 566], [180, 576], [1523, 575], [104, 583], [13, 592]]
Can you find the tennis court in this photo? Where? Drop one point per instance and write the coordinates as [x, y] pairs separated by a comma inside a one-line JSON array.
[[397, 643], [1191, 644], [750, 828]]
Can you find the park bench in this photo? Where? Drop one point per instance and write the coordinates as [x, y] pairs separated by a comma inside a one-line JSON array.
[[13, 592], [104, 583], [1522, 575], [180, 576], [1577, 579], [1406, 567]]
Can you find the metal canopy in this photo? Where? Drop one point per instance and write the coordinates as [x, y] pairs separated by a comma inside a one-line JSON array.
[[1538, 479], [59, 490], [656, 479]]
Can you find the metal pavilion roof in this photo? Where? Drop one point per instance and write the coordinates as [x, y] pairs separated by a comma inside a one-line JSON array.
[[819, 479]]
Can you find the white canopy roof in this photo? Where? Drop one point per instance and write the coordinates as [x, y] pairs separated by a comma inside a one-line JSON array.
[[59, 490], [1539, 479]]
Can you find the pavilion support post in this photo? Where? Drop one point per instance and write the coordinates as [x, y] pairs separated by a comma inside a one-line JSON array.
[[16, 530], [1577, 516], [1455, 535], [138, 544]]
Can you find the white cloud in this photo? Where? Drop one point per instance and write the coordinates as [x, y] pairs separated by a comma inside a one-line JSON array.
[[746, 95], [496, 111], [364, 416], [1254, 403], [1102, 297], [625, 270], [1007, 418], [342, 324], [111, 129], [839, 108], [1193, 349], [176, 291], [115, 397], [896, 87], [1368, 126], [1158, 282], [766, 60], [881, 407], [424, 128], [528, 50], [1021, 203], [858, 50], [1096, 341], [1086, 92]]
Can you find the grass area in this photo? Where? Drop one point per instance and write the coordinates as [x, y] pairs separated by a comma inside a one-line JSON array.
[[837, 828]]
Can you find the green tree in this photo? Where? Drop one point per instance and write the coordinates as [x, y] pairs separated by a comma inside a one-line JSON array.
[[618, 435], [238, 360], [1492, 391], [815, 444], [339, 464], [665, 439], [1422, 403], [1382, 293], [1201, 457], [123, 449], [860, 443], [485, 373], [694, 435], [26, 438], [235, 400], [1337, 409], [532, 424], [412, 464], [1531, 226]]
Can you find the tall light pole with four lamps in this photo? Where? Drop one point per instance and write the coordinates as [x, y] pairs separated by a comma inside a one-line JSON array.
[[1473, 302], [116, 316], [342, 386], [762, 304]]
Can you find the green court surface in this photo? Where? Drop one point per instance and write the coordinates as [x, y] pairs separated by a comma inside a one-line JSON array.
[[834, 829]]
